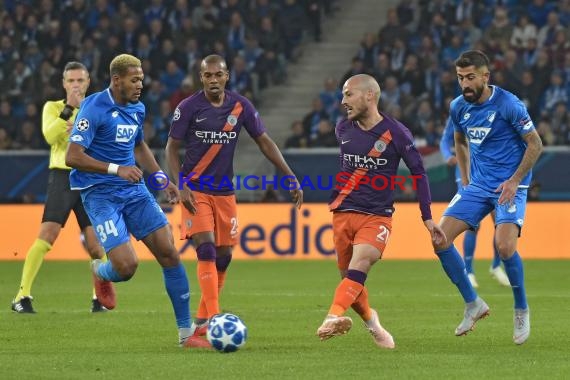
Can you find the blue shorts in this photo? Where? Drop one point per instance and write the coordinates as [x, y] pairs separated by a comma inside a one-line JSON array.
[[471, 204], [116, 211]]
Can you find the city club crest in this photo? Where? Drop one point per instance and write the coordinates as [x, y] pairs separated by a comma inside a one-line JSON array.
[[232, 120], [380, 146]]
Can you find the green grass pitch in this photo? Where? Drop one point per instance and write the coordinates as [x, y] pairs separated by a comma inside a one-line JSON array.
[[283, 303]]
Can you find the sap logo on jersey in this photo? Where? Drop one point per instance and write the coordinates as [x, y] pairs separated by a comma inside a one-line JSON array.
[[125, 132], [477, 134]]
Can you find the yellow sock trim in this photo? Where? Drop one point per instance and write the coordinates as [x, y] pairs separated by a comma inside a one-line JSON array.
[[32, 264]]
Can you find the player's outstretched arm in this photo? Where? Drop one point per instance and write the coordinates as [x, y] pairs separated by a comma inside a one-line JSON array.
[[273, 154]]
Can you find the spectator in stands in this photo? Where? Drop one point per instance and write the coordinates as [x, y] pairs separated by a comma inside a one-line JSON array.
[[357, 67], [559, 48], [298, 138], [166, 53], [312, 119], [186, 32], [172, 77], [325, 137], [5, 139], [28, 136], [498, 35], [564, 12], [314, 17], [254, 58], [241, 80], [527, 93], [7, 118], [545, 132], [391, 93], [513, 68], [560, 123], [270, 42], [530, 53], [470, 33], [412, 77], [150, 135], [546, 34], [392, 30], [292, 21], [538, 12], [368, 52], [382, 69], [554, 93], [192, 54], [236, 33], [152, 96], [523, 32], [185, 90], [331, 95]]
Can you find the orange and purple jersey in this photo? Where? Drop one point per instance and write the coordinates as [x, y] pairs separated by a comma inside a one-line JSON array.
[[369, 163], [210, 135]]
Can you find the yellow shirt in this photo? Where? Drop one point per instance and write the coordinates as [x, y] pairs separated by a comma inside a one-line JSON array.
[[55, 132]]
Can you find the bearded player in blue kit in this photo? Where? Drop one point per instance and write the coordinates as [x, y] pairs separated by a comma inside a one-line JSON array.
[[447, 149], [105, 140], [496, 146]]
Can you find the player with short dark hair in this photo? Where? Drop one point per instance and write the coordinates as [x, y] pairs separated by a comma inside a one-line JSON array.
[[208, 123], [106, 139], [496, 145], [372, 144], [447, 149], [57, 121]]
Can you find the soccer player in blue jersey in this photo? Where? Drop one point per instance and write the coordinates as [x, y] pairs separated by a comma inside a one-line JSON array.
[[372, 144], [106, 138], [496, 145], [447, 148]]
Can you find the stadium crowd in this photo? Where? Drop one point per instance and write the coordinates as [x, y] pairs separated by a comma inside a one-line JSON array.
[[38, 37], [412, 58]]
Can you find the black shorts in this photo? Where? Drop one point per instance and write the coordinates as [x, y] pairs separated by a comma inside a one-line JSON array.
[[61, 200]]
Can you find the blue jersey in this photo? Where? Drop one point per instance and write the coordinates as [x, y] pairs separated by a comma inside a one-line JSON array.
[[447, 147], [109, 133], [494, 133]]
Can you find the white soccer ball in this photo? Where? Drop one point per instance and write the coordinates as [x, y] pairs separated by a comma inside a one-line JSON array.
[[226, 332]]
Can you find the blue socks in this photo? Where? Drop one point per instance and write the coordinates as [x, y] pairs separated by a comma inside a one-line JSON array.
[[515, 273], [454, 267], [469, 243], [178, 290], [108, 273]]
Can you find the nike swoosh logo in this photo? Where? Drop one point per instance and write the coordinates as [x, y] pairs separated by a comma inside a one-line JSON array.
[[200, 120], [342, 142]]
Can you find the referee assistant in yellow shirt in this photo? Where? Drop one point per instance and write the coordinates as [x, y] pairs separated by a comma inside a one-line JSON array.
[[57, 121]]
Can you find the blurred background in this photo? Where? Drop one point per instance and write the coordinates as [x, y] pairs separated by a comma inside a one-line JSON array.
[[290, 57]]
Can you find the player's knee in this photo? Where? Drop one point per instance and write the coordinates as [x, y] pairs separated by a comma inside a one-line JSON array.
[[170, 258], [95, 251], [206, 252], [126, 269], [440, 246], [505, 248]]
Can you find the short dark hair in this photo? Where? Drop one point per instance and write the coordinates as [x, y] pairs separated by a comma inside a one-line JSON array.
[[472, 58], [74, 65]]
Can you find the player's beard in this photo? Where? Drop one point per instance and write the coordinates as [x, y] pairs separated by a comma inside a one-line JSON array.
[[473, 96]]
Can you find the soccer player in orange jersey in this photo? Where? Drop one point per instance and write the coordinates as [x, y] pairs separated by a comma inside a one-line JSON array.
[[371, 147], [208, 123]]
